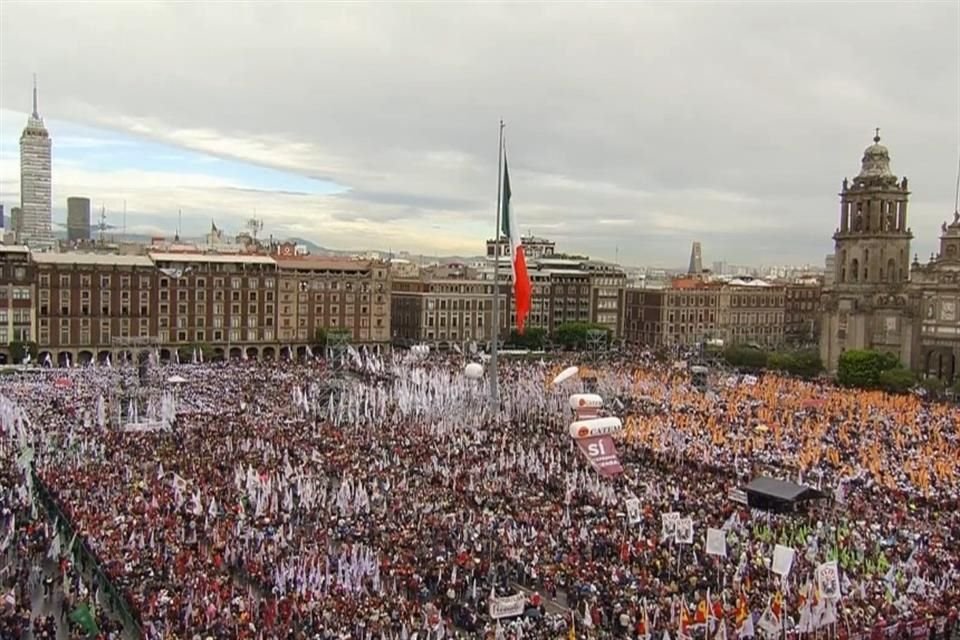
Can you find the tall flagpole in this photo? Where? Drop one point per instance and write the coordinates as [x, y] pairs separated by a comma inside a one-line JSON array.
[[495, 331]]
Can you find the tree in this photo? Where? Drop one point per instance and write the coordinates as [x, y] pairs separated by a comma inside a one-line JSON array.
[[186, 352], [805, 364], [338, 335], [897, 380], [869, 369], [320, 337], [533, 338], [859, 368], [19, 350], [933, 386], [746, 357], [573, 335]]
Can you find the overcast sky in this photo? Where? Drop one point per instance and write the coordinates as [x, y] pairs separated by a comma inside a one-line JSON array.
[[632, 128]]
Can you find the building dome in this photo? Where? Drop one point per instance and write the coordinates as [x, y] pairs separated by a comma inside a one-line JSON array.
[[876, 161]]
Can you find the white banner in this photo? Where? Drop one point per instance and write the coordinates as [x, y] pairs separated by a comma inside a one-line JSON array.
[[146, 427], [509, 607], [633, 510], [828, 579], [685, 531], [668, 523], [782, 560], [716, 542]]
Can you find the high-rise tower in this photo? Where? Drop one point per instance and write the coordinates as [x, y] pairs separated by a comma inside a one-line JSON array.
[[78, 219], [35, 200], [868, 305], [696, 260]]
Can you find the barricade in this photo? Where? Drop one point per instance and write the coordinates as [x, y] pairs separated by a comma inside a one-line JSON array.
[[85, 557]]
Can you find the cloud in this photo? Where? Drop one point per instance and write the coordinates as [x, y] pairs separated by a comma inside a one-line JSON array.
[[714, 122]]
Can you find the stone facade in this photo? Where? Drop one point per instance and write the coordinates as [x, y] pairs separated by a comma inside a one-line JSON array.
[[938, 283], [81, 307], [643, 316], [801, 322], [446, 311], [18, 297], [869, 302]]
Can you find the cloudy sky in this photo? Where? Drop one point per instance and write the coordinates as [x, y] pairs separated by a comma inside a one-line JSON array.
[[632, 128]]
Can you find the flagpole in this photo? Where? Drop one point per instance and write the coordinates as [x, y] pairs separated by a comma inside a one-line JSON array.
[[495, 331]]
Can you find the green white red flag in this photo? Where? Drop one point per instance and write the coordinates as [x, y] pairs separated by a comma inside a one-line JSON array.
[[522, 289]]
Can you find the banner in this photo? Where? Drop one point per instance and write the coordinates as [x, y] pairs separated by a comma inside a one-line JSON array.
[[633, 510], [684, 531], [828, 579], [668, 524], [146, 427], [716, 542], [602, 455], [509, 607], [782, 560]]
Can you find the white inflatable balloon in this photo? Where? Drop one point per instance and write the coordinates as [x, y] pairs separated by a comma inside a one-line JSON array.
[[585, 401], [474, 371], [566, 374], [595, 427]]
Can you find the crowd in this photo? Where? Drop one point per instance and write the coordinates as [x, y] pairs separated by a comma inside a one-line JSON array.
[[39, 585], [287, 500]]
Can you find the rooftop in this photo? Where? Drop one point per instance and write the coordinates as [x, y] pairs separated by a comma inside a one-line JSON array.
[[233, 258], [106, 259], [323, 264]]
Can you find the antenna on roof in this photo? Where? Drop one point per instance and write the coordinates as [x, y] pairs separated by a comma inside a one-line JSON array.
[[103, 222], [179, 225]]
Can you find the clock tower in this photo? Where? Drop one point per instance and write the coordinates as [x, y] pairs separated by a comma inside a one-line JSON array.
[[868, 304]]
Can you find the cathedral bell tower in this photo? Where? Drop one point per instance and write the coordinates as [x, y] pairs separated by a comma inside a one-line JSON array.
[[872, 243], [868, 304]]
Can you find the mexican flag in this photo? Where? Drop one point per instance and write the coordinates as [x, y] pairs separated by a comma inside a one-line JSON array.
[[522, 290]]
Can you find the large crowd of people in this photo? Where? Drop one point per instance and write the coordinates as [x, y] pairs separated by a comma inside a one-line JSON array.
[[386, 499]]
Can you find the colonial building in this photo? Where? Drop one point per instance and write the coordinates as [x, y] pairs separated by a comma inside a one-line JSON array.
[[869, 303], [407, 306], [938, 283], [333, 294], [801, 320], [79, 307], [18, 298], [94, 306], [691, 312], [225, 301], [446, 311], [643, 316], [752, 313]]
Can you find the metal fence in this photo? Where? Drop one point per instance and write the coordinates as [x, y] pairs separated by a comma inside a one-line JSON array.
[[86, 558]]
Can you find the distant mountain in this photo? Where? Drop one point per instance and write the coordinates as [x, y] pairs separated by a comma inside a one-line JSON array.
[[312, 247], [317, 250]]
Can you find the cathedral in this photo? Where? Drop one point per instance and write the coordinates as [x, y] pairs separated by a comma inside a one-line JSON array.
[[876, 298]]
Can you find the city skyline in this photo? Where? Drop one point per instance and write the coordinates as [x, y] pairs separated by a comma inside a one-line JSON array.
[[615, 149]]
